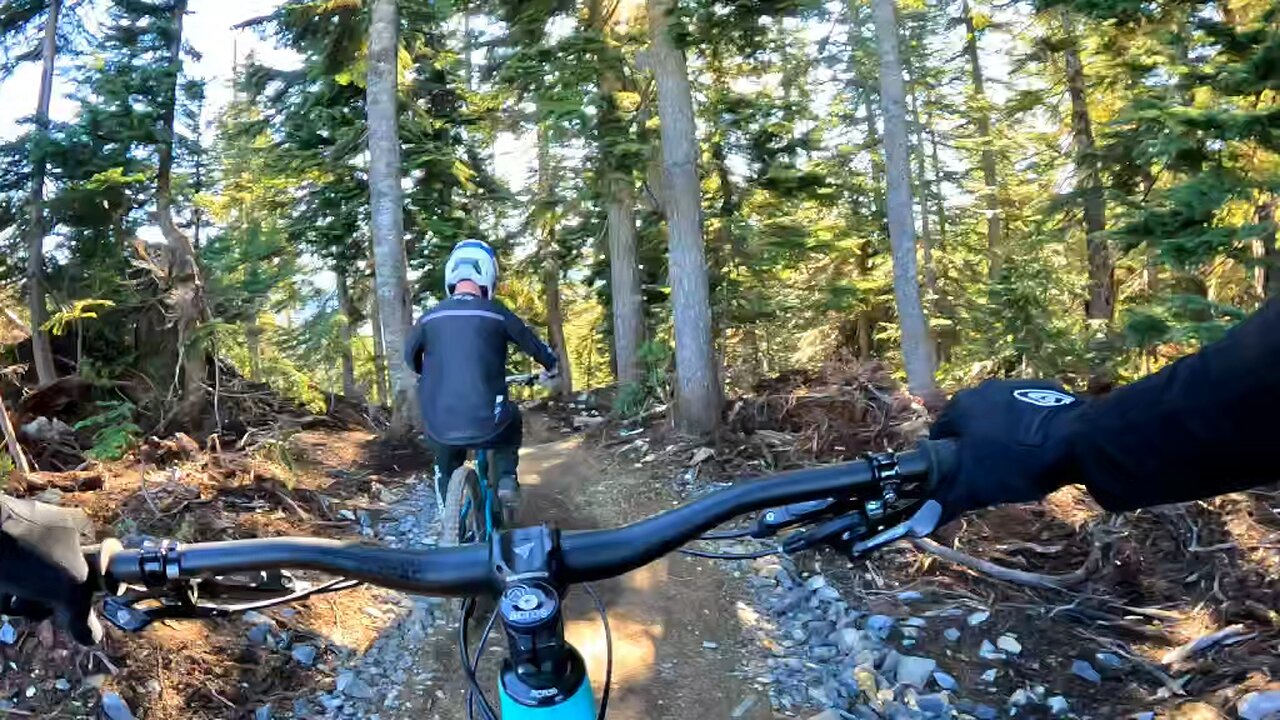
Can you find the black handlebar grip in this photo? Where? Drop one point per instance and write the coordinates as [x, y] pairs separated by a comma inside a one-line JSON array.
[[944, 460]]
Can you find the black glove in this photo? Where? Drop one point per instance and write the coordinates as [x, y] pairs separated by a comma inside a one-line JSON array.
[[43, 568], [1015, 444]]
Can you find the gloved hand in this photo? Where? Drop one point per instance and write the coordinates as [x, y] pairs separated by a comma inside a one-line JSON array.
[[43, 568], [1015, 444], [547, 378]]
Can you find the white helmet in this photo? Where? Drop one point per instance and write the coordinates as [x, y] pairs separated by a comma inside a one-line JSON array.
[[472, 260]]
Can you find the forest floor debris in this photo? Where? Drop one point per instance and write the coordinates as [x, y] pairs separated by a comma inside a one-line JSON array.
[[1117, 594], [323, 483], [1174, 613]]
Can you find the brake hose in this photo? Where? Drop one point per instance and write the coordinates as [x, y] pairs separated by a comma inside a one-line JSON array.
[[471, 664], [468, 669], [729, 556], [608, 650]]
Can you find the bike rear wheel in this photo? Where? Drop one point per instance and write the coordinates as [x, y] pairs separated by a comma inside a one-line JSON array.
[[463, 521]]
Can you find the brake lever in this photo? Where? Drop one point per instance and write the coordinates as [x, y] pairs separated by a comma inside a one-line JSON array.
[[923, 522], [183, 601], [774, 519], [834, 532]]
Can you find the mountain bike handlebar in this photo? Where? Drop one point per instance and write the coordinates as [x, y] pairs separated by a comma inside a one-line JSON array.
[[585, 556]]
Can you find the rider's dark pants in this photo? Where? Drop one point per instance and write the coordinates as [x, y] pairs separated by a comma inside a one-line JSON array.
[[504, 451]]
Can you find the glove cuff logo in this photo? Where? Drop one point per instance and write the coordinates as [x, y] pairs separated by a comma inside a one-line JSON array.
[[1043, 398]]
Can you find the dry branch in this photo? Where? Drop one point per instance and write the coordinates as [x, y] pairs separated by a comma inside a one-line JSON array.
[[11, 439], [70, 481], [999, 572]]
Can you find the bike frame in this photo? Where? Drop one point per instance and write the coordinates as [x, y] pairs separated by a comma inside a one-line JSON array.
[[488, 493]]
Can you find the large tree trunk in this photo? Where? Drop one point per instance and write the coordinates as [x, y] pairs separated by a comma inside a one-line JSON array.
[[549, 256], [697, 381], [187, 288], [922, 185], [347, 310], [253, 343], [940, 204], [1100, 305], [41, 350], [555, 326], [379, 351], [917, 350], [618, 186], [982, 121], [387, 206], [1267, 274], [865, 324], [865, 328], [624, 284]]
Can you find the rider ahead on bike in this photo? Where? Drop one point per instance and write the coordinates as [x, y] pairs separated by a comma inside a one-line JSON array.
[[1200, 427], [459, 350]]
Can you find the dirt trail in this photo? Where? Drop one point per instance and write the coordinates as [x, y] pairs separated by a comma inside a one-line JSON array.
[[660, 615]]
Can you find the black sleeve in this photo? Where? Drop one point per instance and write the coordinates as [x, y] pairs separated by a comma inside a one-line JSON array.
[[1200, 427], [526, 339], [416, 347]]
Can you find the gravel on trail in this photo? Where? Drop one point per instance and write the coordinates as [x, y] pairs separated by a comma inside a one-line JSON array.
[[813, 653], [369, 684]]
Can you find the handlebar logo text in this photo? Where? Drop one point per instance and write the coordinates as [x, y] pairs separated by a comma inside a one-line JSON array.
[[1043, 398]]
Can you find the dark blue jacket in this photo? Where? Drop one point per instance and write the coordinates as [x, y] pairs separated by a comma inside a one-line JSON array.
[[459, 350]]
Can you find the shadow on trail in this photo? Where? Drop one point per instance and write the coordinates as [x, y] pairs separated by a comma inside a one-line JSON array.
[[660, 615]]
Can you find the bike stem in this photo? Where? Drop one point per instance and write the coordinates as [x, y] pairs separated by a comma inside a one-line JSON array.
[[541, 670]]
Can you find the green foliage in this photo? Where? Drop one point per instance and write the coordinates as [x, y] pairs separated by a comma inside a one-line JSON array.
[[635, 398], [59, 322], [1182, 98], [114, 431]]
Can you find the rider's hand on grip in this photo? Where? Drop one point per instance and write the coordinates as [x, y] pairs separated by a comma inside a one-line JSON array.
[[549, 378], [1014, 441], [42, 569]]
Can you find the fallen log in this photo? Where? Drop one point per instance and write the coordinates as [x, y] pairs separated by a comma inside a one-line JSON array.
[[69, 481]]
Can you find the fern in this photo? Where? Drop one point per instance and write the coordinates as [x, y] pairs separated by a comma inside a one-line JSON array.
[[634, 398], [115, 433], [75, 312]]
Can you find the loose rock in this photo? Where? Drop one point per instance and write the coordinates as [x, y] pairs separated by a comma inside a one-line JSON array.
[[934, 704], [915, 671], [115, 708], [978, 618], [1009, 644], [1083, 670], [945, 681], [989, 651], [985, 712], [1110, 661], [260, 634], [1259, 705], [304, 655], [880, 626], [1058, 705]]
